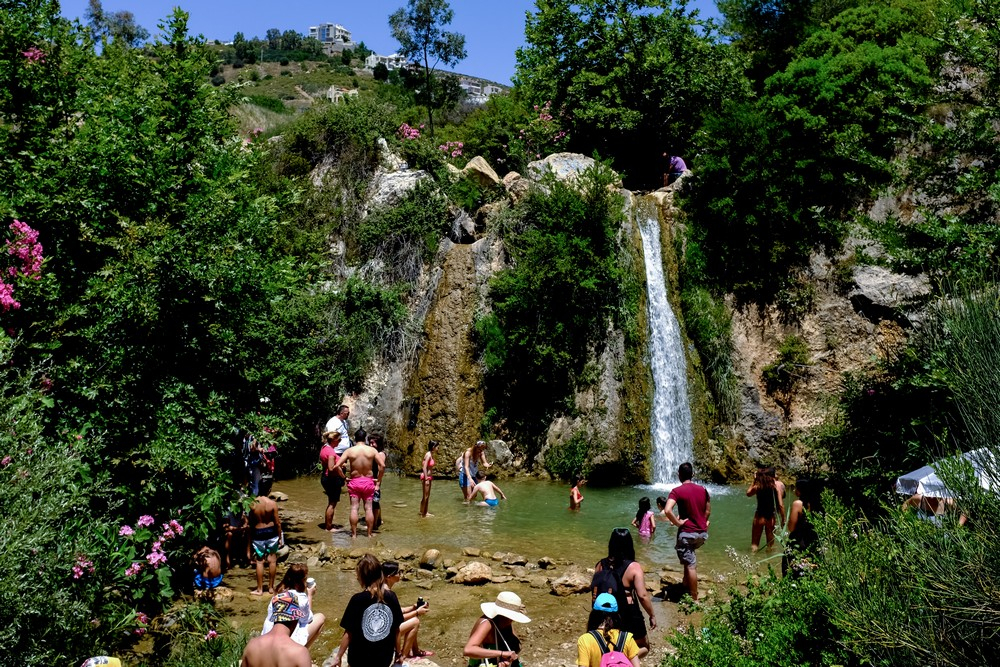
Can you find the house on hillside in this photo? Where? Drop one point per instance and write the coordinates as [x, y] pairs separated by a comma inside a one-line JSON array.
[[336, 95], [476, 91], [333, 36], [394, 61]]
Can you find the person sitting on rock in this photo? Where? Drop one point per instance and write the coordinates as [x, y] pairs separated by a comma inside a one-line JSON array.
[[208, 570], [406, 644]]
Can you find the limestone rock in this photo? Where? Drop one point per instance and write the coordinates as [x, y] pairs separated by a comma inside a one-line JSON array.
[[448, 562], [312, 561], [389, 160], [324, 551], [430, 558], [357, 553], [472, 552], [545, 563], [501, 452], [406, 554], [517, 186], [480, 171], [881, 294], [567, 167], [501, 578], [283, 552], [474, 574], [538, 581], [389, 188], [278, 497], [454, 173], [463, 228], [425, 584], [451, 573], [571, 583], [514, 559]]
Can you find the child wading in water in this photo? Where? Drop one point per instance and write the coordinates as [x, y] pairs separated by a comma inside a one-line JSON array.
[[488, 489], [644, 519], [575, 497]]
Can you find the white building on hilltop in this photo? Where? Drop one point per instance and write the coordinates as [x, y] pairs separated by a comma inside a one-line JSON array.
[[394, 61], [477, 92], [333, 36]]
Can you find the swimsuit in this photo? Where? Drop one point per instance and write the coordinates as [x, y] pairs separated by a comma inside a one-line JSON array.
[[361, 487], [265, 541], [492, 502], [430, 464], [646, 525], [205, 583], [766, 501]]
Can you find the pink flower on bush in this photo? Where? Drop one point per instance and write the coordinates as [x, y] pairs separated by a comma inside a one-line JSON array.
[[125, 531], [6, 461], [133, 569], [145, 520], [156, 559], [83, 566], [177, 527], [7, 300], [406, 132], [212, 634], [142, 618], [26, 248], [168, 534], [34, 55]]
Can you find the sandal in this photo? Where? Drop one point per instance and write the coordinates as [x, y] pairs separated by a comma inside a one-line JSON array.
[[422, 654]]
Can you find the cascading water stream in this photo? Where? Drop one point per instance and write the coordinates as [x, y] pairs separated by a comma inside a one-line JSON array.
[[670, 421]]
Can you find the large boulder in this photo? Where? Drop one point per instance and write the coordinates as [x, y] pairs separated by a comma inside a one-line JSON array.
[[430, 558], [389, 160], [881, 294], [474, 574], [480, 171], [501, 452], [517, 186], [463, 227], [567, 167], [571, 583], [389, 188]]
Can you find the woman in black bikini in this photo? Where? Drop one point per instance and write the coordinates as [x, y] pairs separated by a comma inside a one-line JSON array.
[[769, 503]]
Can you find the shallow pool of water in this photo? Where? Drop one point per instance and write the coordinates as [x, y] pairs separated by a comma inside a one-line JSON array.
[[534, 521]]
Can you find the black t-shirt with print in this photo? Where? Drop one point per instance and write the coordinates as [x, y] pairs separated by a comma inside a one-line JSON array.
[[373, 626]]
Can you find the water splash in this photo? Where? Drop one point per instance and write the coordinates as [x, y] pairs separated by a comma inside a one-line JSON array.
[[670, 421]]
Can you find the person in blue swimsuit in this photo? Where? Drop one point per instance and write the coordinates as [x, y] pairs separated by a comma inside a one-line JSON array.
[[488, 489], [208, 569]]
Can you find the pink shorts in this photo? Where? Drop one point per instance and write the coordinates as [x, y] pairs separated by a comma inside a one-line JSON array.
[[361, 487]]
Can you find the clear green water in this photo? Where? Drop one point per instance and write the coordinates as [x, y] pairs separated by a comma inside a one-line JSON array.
[[535, 521]]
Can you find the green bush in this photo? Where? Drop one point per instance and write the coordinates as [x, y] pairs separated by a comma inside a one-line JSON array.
[[569, 459], [269, 103], [218, 80], [793, 358], [709, 324], [412, 227]]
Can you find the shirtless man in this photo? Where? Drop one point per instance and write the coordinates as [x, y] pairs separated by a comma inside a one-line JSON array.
[[488, 489], [276, 648], [266, 537], [361, 485]]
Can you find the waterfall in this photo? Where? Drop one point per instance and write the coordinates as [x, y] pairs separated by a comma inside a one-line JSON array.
[[670, 421]]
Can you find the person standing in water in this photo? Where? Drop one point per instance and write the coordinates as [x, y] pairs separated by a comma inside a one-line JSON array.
[[427, 476], [266, 537], [332, 477], [644, 519], [695, 507], [575, 497], [469, 466], [770, 507], [376, 441], [361, 485]]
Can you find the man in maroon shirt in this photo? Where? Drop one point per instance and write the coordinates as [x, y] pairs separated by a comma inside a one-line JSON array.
[[692, 527]]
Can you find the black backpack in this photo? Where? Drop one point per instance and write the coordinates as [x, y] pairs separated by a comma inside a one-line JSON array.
[[609, 580]]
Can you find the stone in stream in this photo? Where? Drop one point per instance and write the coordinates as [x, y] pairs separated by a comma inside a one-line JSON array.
[[447, 563], [429, 559], [312, 562], [283, 552], [514, 559], [545, 563], [278, 496], [501, 578], [324, 551], [571, 583], [357, 553], [474, 574], [471, 551], [406, 554]]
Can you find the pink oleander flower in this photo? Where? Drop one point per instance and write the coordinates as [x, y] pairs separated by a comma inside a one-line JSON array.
[[26, 248], [7, 300], [6, 461], [125, 531], [83, 566], [158, 545], [212, 634], [156, 559], [133, 569], [176, 527], [34, 55], [145, 520], [142, 618]]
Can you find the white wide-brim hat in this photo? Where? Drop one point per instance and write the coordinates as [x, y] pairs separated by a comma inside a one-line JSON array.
[[508, 604]]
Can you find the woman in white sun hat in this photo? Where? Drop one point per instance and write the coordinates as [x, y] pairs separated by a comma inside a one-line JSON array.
[[492, 641]]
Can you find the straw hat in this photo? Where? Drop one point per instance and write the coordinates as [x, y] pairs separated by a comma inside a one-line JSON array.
[[508, 604]]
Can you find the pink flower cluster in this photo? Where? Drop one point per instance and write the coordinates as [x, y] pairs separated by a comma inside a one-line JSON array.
[[454, 148], [142, 619], [83, 566], [7, 460], [26, 248], [212, 634], [544, 114], [406, 132], [155, 557], [34, 55]]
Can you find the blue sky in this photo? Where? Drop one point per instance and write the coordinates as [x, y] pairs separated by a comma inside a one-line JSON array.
[[493, 29]]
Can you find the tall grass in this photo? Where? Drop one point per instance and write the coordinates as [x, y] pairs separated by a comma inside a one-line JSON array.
[[710, 326]]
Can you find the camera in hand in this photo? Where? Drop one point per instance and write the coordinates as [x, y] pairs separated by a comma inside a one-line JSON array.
[[421, 602]]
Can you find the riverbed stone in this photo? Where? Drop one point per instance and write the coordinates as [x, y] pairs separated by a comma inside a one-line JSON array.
[[451, 572], [430, 558], [312, 561], [471, 551], [498, 556], [406, 554], [571, 583], [278, 496], [538, 581], [283, 552], [448, 562], [324, 551], [514, 559], [474, 574], [357, 553], [546, 563], [501, 578]]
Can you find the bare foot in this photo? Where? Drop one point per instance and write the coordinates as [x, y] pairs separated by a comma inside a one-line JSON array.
[[427, 515], [257, 592]]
